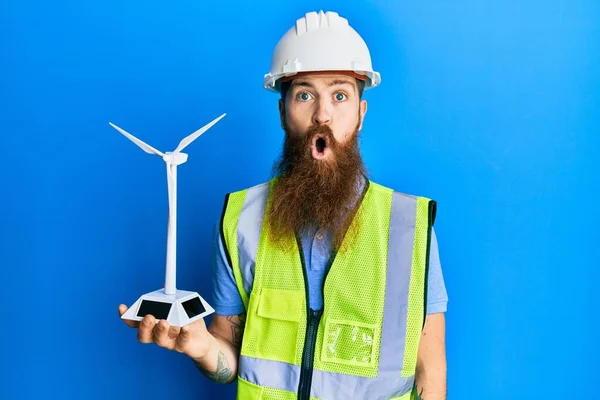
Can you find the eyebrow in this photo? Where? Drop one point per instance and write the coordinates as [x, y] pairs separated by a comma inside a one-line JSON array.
[[301, 83], [340, 82]]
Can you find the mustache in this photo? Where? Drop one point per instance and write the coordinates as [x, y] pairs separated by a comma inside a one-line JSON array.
[[318, 129], [298, 147], [313, 131]]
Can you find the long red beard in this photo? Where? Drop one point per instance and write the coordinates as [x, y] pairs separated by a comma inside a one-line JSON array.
[[315, 194]]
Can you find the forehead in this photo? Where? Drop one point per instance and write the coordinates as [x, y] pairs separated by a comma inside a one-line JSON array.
[[323, 80]]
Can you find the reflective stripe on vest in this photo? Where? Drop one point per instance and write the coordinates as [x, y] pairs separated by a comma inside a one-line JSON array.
[[363, 349]]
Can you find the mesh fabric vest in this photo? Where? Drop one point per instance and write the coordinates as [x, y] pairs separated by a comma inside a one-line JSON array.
[[363, 343]]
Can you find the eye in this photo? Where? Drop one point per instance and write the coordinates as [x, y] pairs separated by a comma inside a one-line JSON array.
[[339, 96], [303, 96]]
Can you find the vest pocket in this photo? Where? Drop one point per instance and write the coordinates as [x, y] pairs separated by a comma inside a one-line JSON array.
[[350, 343], [280, 304], [278, 314]]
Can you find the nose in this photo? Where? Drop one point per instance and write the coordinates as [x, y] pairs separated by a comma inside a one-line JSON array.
[[322, 114]]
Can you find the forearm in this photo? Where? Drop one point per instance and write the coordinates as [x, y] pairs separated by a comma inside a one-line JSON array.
[[430, 374], [221, 360]]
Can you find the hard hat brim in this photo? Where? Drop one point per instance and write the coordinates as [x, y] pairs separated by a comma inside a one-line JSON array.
[[273, 82]]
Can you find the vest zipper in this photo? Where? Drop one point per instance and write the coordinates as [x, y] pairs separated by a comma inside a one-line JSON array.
[[309, 355], [310, 338]]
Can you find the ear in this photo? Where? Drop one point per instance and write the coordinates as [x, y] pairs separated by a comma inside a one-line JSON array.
[[362, 110], [282, 112]]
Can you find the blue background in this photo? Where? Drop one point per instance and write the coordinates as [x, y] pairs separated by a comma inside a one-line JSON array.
[[490, 107]]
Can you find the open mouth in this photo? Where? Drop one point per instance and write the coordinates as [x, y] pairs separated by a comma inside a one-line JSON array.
[[319, 147], [321, 144]]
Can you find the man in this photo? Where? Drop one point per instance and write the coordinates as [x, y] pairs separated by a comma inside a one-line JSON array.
[[327, 285]]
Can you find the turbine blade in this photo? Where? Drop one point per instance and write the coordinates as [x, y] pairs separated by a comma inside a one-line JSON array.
[[146, 147], [189, 139]]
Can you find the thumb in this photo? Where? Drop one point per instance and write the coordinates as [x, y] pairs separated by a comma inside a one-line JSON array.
[[198, 326], [123, 310], [193, 340]]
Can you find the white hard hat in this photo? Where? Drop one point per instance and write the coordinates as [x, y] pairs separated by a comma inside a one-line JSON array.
[[320, 42]]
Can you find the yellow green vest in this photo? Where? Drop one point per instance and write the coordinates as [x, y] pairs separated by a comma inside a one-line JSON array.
[[363, 343]]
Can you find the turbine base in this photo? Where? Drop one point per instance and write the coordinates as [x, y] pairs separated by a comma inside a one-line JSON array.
[[179, 309]]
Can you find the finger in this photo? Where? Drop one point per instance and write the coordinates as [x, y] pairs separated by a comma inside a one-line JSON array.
[[123, 310], [183, 339], [146, 327], [161, 335], [174, 332]]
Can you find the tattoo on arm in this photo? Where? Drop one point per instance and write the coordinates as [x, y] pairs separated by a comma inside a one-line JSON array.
[[417, 395], [237, 330], [223, 373]]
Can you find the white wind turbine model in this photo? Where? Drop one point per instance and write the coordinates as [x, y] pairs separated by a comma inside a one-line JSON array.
[[178, 307]]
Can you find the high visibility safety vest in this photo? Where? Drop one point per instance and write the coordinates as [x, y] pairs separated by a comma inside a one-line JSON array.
[[363, 343]]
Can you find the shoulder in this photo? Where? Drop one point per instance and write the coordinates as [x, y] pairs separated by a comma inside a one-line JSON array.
[[259, 188], [410, 202], [239, 199], [398, 193]]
